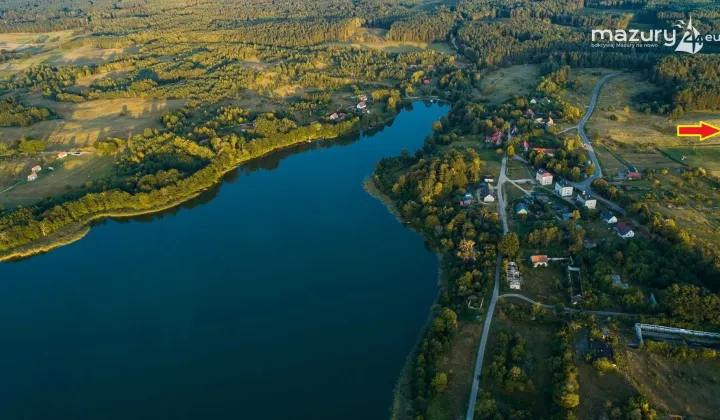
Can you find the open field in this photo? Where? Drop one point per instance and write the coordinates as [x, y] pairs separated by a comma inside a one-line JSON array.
[[610, 164], [46, 49], [698, 156], [586, 79], [500, 85], [70, 173], [83, 123], [459, 359], [398, 46], [643, 159], [634, 127], [539, 339], [517, 170], [543, 284]]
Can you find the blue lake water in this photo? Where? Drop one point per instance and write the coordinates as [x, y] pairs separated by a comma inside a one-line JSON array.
[[287, 292]]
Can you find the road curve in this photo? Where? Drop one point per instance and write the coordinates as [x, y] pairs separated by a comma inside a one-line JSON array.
[[584, 185], [491, 308]]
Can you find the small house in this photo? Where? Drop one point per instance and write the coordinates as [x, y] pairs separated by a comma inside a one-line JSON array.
[[533, 101], [361, 105], [576, 299], [549, 152], [62, 155], [467, 200], [586, 200], [35, 169], [334, 116], [489, 178], [426, 82], [521, 208], [563, 189], [539, 260], [608, 218], [631, 175], [539, 120], [487, 196], [526, 146], [624, 231], [529, 113], [363, 98], [617, 281], [652, 299], [495, 138], [32, 177], [544, 177]]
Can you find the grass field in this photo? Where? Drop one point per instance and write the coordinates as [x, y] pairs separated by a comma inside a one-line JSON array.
[[83, 123], [517, 170], [634, 127], [69, 174], [543, 284], [586, 80], [500, 85], [539, 338], [698, 156]]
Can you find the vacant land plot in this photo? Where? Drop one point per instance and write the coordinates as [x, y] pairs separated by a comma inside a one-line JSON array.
[[634, 127], [643, 159], [83, 123], [499, 86], [68, 174], [517, 170], [610, 164], [540, 345], [707, 157], [585, 80], [543, 284]]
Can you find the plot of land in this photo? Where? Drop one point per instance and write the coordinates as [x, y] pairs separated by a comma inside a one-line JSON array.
[[698, 156], [634, 127], [83, 123], [585, 80], [70, 173], [501, 85]]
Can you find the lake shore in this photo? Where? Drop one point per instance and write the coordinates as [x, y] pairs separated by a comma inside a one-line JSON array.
[[401, 408], [76, 231]]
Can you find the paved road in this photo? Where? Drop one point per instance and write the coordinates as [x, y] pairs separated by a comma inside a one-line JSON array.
[[584, 185], [605, 313], [491, 308]]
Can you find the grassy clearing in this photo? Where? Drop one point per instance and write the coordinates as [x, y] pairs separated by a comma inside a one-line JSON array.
[[517, 170], [586, 80], [539, 338], [637, 128], [543, 284], [69, 174], [610, 164], [698, 156], [646, 159], [374, 38], [499, 86], [461, 359], [83, 123]]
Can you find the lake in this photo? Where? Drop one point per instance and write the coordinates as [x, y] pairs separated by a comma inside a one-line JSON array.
[[286, 292]]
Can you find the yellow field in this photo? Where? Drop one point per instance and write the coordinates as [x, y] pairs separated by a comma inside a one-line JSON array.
[[70, 173], [634, 127], [83, 123], [500, 85]]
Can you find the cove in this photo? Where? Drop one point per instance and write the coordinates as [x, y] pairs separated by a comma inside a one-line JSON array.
[[286, 292]]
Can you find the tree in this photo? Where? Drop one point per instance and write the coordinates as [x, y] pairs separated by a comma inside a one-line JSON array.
[[510, 151], [466, 250], [439, 382], [510, 245]]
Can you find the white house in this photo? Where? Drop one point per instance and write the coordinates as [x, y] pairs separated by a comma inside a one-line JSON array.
[[361, 105], [544, 177], [586, 200], [487, 197], [608, 218], [563, 189], [624, 231]]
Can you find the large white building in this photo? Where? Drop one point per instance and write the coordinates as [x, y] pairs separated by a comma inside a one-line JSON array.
[[563, 189], [544, 177]]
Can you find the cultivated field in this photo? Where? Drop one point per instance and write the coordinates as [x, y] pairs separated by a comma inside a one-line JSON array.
[[634, 127], [698, 156], [499, 86], [83, 123]]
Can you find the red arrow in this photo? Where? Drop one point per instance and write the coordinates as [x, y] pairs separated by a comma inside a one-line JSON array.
[[704, 130]]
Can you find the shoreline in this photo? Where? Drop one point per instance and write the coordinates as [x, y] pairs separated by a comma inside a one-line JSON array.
[[401, 407], [76, 231]]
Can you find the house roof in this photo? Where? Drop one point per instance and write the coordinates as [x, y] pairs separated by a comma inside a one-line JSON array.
[[521, 206], [623, 229], [36, 167], [32, 176], [539, 258], [606, 215], [562, 183], [543, 173]]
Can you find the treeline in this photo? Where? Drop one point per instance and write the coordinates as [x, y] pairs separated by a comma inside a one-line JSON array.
[[422, 27], [15, 114], [692, 81]]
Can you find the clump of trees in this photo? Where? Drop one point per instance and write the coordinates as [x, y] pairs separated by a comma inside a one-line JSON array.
[[15, 114]]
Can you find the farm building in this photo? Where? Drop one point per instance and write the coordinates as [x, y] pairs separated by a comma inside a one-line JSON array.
[[35, 169], [32, 177], [62, 155]]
